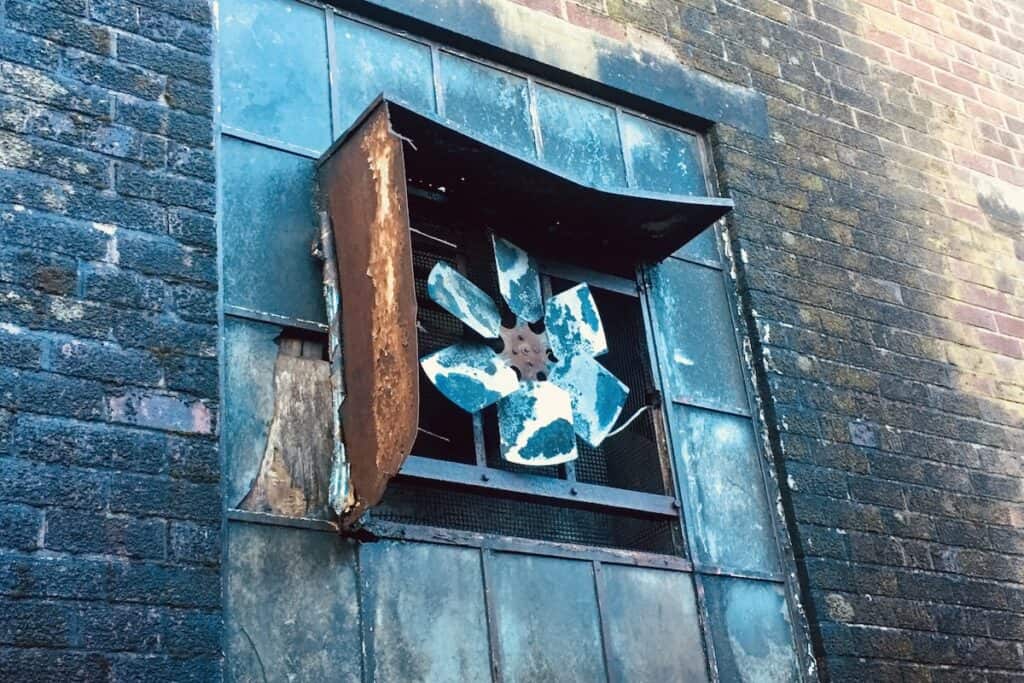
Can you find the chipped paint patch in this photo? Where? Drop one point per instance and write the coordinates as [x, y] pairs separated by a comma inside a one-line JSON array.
[[536, 425], [161, 411], [66, 311]]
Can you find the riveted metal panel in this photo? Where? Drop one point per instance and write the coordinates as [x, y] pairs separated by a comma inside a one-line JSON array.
[[727, 508], [371, 61], [643, 607], [490, 104], [362, 184], [546, 617], [273, 71], [424, 604], [695, 336], [267, 227], [292, 611], [580, 137], [751, 630]]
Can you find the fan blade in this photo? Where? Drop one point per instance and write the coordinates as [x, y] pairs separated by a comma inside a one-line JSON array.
[[470, 375], [467, 302], [597, 396], [573, 325], [535, 424], [518, 280]]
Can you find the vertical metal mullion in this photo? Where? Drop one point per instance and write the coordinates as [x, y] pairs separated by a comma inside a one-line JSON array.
[[704, 617], [435, 72], [332, 74], [599, 590], [363, 595], [489, 612], [627, 161], [479, 444]]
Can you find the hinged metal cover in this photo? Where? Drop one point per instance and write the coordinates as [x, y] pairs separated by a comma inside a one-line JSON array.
[[363, 188]]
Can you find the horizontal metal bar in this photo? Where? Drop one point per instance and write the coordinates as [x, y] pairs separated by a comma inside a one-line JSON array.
[[525, 546], [593, 278], [279, 145], [273, 318], [535, 486], [688, 402], [281, 520], [717, 570], [714, 264]]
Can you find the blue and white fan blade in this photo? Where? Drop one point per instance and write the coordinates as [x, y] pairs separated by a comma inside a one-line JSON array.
[[597, 396], [470, 375], [535, 425], [518, 280], [467, 302], [573, 325]]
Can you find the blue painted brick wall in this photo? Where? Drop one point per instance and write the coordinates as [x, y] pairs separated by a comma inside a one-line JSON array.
[[109, 472]]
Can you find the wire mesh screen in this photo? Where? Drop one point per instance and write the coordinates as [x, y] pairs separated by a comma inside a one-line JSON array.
[[629, 460], [452, 507]]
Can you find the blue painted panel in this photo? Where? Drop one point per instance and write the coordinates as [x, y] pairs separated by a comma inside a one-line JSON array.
[[291, 611], [425, 605], [727, 509], [694, 334], [751, 631], [268, 226], [490, 104], [663, 159], [581, 138], [647, 607], [273, 70], [701, 248], [250, 349], [371, 61], [546, 616]]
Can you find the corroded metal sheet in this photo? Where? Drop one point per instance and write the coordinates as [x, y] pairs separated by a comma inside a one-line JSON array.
[[597, 396], [454, 293], [574, 325], [471, 376], [362, 182], [536, 425]]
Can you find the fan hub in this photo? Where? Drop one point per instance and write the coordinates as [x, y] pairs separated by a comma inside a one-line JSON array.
[[526, 351]]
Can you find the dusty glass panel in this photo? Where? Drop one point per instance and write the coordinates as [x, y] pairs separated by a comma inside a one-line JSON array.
[[695, 337], [250, 349], [580, 138], [425, 604], [643, 607], [268, 226], [291, 612], [701, 248], [726, 506], [547, 620], [273, 71], [490, 104], [663, 159], [751, 630], [371, 61]]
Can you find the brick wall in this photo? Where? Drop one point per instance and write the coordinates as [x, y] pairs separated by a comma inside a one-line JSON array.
[[878, 239], [109, 506]]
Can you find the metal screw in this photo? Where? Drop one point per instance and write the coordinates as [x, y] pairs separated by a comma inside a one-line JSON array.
[[485, 477], [573, 491]]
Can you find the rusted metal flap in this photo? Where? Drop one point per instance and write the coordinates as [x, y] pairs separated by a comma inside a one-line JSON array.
[[362, 182]]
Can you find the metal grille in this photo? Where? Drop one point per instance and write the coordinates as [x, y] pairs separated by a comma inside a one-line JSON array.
[[452, 507]]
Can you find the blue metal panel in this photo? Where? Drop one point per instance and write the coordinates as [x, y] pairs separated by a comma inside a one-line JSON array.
[[546, 618], [250, 349], [727, 509], [268, 226], [695, 337], [291, 610], [490, 104], [273, 71], [751, 631], [701, 248], [371, 61], [663, 159], [580, 138], [425, 608], [643, 608]]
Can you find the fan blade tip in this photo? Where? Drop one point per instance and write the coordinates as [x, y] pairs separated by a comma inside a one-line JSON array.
[[455, 293], [518, 280], [536, 426], [471, 376]]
